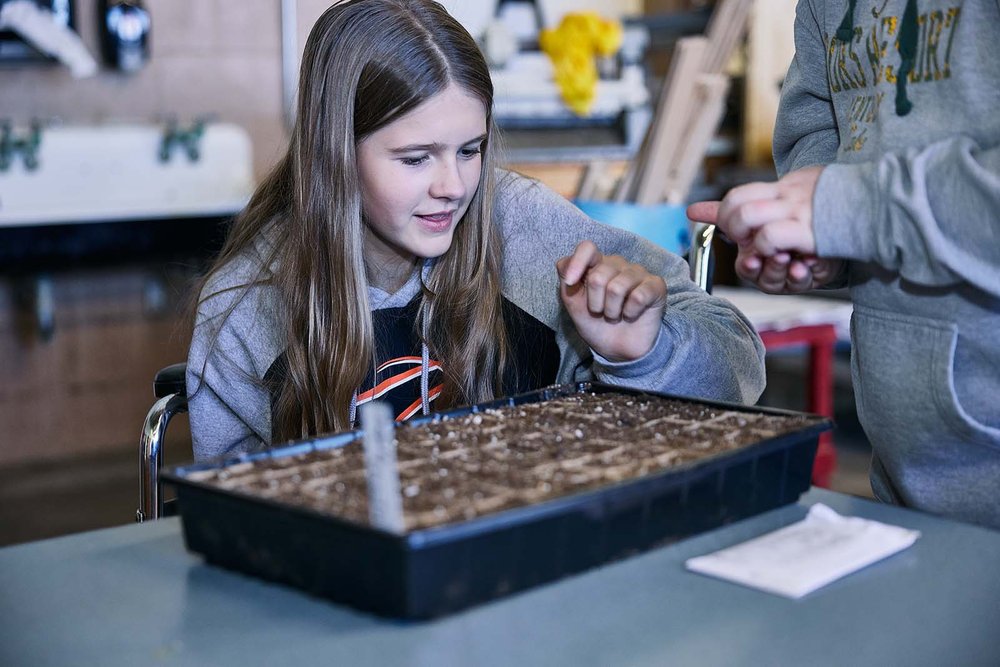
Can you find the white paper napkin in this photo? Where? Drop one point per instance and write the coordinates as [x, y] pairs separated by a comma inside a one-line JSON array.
[[798, 559]]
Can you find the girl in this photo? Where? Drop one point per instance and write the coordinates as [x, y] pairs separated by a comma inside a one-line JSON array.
[[387, 257]]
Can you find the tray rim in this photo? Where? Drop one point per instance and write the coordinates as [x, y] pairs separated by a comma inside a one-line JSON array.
[[463, 529]]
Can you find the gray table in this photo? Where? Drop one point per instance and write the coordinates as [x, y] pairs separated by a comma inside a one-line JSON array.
[[134, 596]]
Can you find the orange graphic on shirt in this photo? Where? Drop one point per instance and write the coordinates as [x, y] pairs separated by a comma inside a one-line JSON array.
[[411, 373]]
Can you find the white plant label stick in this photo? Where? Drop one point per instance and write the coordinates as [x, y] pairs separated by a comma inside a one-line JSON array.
[[385, 503]]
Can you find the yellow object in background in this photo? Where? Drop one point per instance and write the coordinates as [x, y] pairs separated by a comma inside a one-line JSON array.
[[572, 48], [576, 76]]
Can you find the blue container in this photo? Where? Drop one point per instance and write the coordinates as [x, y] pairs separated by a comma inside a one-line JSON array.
[[666, 225]]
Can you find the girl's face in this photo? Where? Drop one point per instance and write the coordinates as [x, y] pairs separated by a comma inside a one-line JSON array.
[[418, 175]]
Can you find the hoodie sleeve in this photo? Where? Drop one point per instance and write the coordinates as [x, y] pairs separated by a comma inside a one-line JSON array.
[[932, 214], [232, 347], [705, 347], [929, 213], [805, 132]]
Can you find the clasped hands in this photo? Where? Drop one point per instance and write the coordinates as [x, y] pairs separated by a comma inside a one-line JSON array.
[[616, 306], [772, 225]]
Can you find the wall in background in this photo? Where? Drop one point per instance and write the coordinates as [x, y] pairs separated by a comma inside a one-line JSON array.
[[216, 57], [208, 57], [86, 390]]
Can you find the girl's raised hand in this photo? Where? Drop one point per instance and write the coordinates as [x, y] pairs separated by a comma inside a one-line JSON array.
[[617, 306]]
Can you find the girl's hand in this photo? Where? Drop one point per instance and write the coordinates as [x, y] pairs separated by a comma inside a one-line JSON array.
[[617, 306]]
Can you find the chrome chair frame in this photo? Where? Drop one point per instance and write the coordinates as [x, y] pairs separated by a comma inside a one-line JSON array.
[[168, 387], [700, 255]]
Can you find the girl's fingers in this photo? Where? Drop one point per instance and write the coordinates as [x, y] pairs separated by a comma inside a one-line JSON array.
[[572, 269], [617, 289], [621, 291], [597, 279], [649, 293]]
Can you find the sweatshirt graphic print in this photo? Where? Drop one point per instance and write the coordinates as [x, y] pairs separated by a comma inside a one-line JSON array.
[[877, 56]]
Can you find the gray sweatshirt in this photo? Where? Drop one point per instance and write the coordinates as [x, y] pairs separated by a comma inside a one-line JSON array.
[[705, 348], [912, 199]]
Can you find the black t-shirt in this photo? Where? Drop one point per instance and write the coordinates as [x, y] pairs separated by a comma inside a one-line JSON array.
[[396, 379]]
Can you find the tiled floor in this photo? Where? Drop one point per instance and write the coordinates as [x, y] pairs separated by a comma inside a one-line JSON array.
[[41, 501]]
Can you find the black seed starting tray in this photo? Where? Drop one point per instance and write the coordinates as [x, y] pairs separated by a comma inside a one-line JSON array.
[[497, 497]]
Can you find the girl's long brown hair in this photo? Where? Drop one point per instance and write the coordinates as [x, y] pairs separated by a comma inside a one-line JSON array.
[[365, 64]]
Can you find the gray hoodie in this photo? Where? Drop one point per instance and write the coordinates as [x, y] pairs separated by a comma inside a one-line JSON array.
[[912, 199], [706, 348]]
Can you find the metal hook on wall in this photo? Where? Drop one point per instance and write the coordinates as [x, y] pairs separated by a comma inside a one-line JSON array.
[[27, 146], [189, 140]]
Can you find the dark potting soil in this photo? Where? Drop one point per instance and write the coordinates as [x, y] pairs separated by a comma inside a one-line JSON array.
[[467, 466]]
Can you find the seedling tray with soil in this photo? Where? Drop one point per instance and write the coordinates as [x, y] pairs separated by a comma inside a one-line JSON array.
[[496, 497]]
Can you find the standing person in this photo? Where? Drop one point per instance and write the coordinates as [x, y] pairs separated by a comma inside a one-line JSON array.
[[888, 147], [387, 257]]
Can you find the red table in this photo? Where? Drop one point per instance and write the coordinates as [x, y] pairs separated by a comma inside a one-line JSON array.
[[820, 339]]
